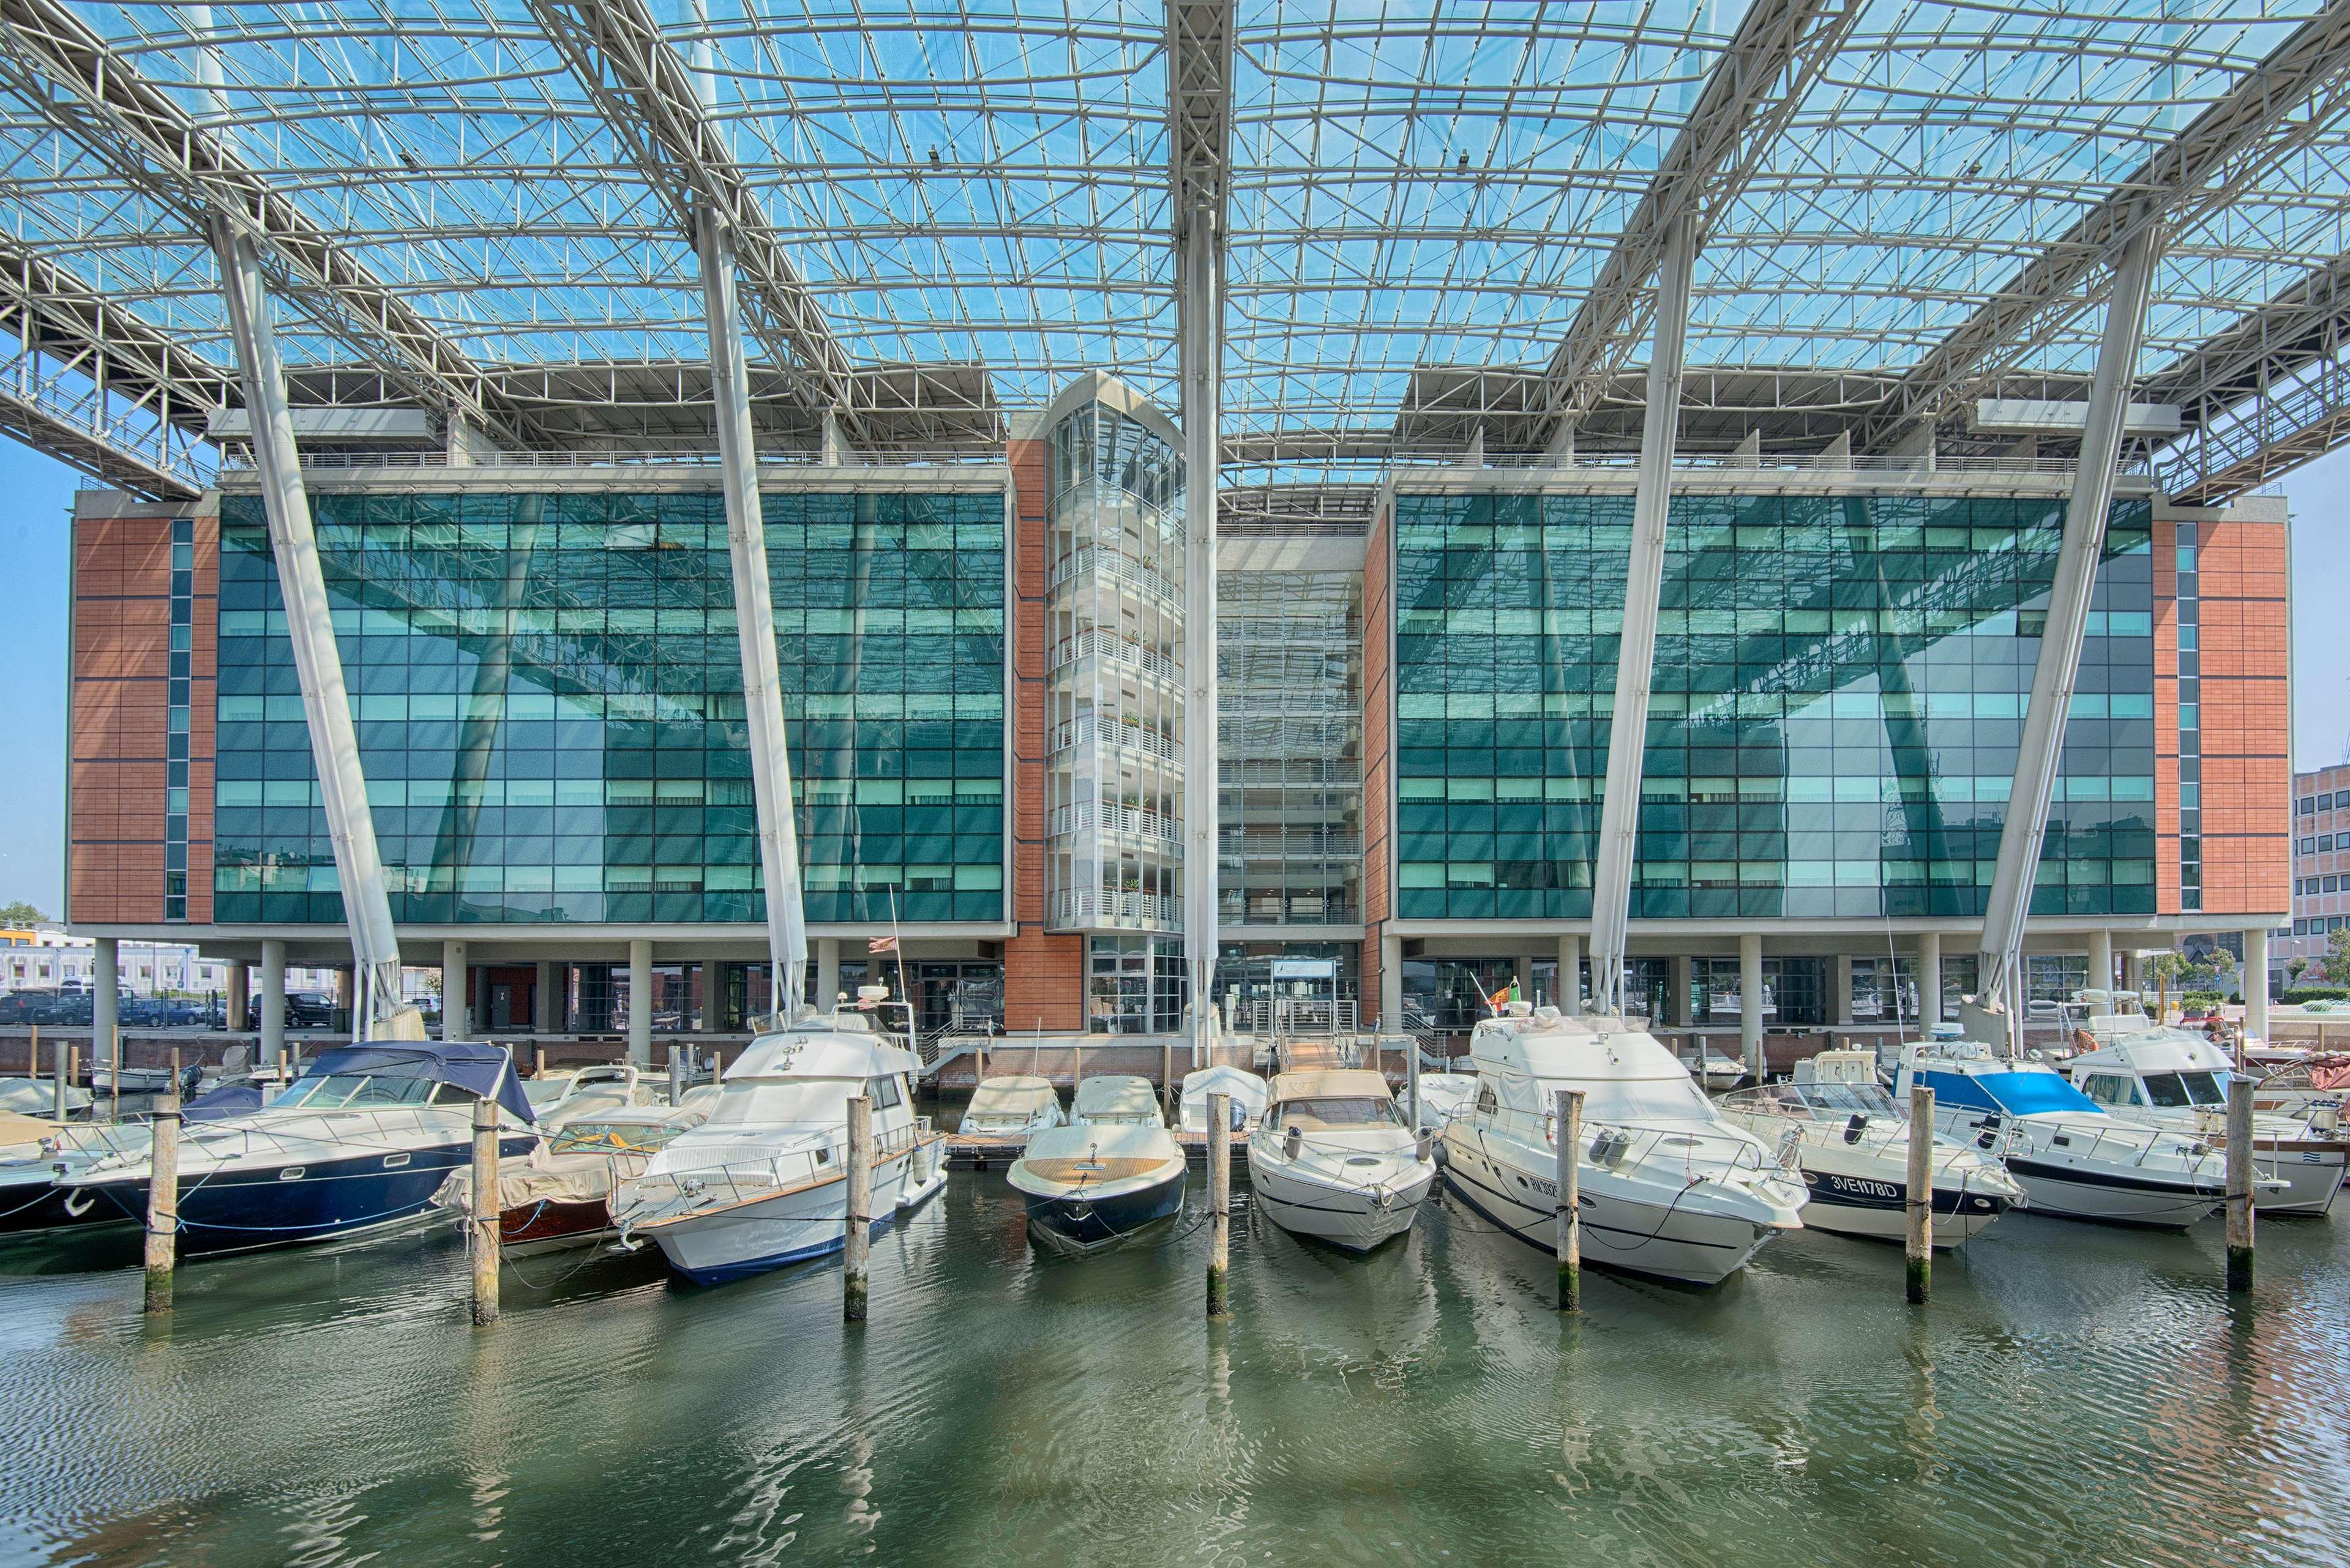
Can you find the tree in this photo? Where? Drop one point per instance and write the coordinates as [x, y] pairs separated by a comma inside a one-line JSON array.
[[2294, 968], [2163, 968], [21, 914], [2336, 963]]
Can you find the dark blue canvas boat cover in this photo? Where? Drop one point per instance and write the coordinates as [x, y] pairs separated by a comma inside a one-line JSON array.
[[482, 1071]]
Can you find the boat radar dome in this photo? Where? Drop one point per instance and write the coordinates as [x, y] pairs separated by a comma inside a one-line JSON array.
[[1946, 1032], [1521, 1009], [869, 994]]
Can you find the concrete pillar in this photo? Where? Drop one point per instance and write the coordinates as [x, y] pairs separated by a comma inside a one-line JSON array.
[[640, 1001], [273, 999], [714, 996], [828, 974], [1843, 982], [456, 989], [1684, 983], [545, 1003], [2132, 978], [1526, 975], [1750, 1001], [2101, 961], [1929, 980], [105, 997], [2256, 984], [1390, 982], [345, 986], [1570, 974], [239, 998]]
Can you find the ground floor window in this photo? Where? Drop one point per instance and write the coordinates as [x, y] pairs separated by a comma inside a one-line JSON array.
[[1134, 985], [1794, 991]]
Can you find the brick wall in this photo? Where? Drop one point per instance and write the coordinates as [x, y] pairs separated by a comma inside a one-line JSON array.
[[1043, 975], [2246, 718], [119, 702]]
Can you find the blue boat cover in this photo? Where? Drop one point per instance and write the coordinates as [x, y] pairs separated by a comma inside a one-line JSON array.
[[219, 1105], [482, 1070], [2015, 1093]]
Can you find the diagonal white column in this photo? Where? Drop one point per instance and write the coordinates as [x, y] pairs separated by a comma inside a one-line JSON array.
[[2026, 825], [1635, 654], [309, 623], [754, 617], [1200, 300]]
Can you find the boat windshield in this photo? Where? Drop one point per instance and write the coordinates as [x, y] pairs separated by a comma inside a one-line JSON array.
[[1845, 1100], [1336, 1114], [2182, 1091], [346, 1091], [1646, 1100]]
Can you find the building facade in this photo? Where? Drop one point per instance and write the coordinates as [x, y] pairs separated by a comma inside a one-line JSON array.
[[983, 667], [2320, 865]]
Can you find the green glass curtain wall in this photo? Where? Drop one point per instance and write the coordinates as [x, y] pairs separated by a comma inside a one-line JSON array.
[[1840, 692], [549, 697]]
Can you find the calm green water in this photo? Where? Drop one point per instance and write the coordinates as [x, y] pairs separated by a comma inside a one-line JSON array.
[[2074, 1394]]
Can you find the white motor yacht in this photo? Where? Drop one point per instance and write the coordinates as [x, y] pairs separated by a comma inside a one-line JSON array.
[[38, 1097], [567, 1093], [1331, 1159], [1113, 1171], [763, 1181], [1853, 1141], [1712, 1069], [1248, 1092], [2072, 1158], [2176, 1080], [1012, 1106], [1667, 1186]]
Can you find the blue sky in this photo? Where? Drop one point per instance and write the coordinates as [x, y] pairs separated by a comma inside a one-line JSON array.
[[33, 694]]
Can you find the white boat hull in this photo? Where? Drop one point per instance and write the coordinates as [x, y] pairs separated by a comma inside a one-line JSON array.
[[2313, 1177], [1633, 1236], [1346, 1215], [732, 1241]]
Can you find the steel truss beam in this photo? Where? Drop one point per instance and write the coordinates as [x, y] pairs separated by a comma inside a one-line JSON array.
[[647, 95], [84, 88], [1752, 91], [2281, 107], [1200, 134], [2265, 396]]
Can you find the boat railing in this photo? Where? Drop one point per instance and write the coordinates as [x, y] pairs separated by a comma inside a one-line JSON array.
[[223, 1144], [726, 1182], [1728, 1150], [2135, 1142]]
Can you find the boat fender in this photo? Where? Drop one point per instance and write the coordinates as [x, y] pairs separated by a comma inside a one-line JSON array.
[[1292, 1143], [1854, 1128], [1990, 1125], [1423, 1145]]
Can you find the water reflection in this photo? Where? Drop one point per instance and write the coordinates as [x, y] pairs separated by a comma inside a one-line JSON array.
[[2071, 1395]]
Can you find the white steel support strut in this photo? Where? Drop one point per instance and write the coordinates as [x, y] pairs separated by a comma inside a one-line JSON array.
[[754, 617], [309, 624], [1635, 654], [2000, 969], [1199, 102]]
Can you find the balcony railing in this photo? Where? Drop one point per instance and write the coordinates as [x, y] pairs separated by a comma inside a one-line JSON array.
[[1111, 817], [1080, 906], [1090, 560], [1086, 731], [1094, 641]]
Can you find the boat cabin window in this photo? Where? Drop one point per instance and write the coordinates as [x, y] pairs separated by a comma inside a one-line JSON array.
[[885, 1093], [2106, 1088], [1839, 1101], [2183, 1091], [611, 1138], [1334, 1114], [355, 1090]]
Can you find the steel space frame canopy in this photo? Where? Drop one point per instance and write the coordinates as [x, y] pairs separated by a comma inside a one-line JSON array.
[[965, 204]]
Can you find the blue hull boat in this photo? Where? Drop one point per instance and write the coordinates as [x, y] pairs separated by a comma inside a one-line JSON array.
[[1078, 1223]]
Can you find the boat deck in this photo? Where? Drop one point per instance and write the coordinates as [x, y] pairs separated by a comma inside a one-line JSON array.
[[976, 1151]]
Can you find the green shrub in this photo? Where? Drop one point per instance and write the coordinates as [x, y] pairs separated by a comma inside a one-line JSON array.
[[2295, 996], [2204, 998]]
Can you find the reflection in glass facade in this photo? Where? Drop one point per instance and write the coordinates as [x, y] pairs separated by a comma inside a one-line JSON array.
[[548, 694], [1839, 697]]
